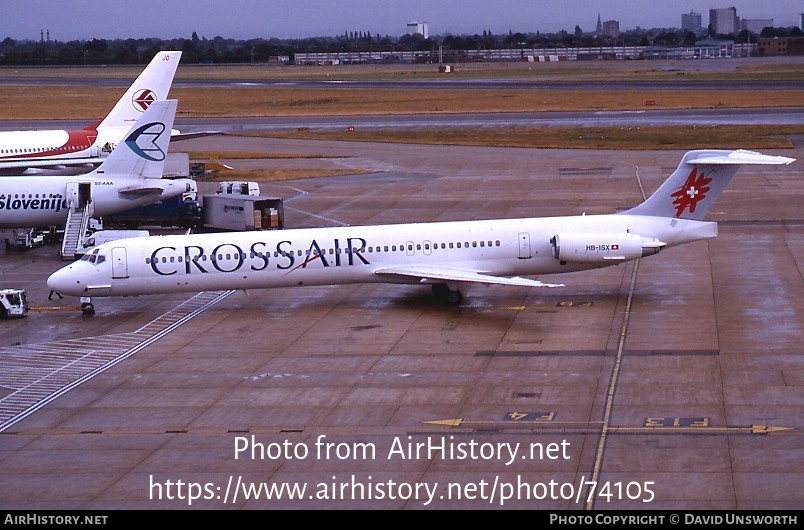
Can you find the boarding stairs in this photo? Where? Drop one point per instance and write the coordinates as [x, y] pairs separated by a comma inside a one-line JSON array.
[[75, 230]]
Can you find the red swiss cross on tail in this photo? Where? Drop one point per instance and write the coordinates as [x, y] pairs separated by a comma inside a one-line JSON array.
[[693, 191]]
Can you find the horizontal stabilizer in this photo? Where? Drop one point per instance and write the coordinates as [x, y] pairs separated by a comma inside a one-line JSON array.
[[175, 135], [740, 157], [140, 190], [216, 166], [445, 274]]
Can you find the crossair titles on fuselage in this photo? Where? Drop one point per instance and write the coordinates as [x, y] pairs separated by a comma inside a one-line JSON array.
[[229, 257]]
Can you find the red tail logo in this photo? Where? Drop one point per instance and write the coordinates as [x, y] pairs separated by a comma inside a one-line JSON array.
[[693, 191], [143, 98]]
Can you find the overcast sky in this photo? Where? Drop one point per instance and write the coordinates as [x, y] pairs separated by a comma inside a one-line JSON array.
[[245, 19]]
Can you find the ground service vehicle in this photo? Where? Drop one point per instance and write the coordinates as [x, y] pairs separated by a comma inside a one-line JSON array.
[[13, 303], [239, 187], [181, 210], [24, 238]]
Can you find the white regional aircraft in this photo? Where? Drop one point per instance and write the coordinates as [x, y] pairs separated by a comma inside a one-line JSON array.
[[129, 177], [57, 148], [440, 254]]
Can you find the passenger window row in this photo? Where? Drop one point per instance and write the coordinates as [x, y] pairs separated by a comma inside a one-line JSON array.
[[42, 149], [31, 196], [307, 253]]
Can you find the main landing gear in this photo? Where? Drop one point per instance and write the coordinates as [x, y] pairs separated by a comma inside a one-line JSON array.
[[450, 296]]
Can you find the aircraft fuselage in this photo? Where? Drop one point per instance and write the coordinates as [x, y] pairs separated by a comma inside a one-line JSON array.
[[372, 254], [45, 200]]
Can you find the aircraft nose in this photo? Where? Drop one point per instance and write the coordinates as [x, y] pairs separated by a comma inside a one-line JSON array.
[[63, 281]]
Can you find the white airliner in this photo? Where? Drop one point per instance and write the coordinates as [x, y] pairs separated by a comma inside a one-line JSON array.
[[442, 254], [84, 148], [130, 176]]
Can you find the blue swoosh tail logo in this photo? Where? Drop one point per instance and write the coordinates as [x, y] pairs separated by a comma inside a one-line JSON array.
[[143, 141]]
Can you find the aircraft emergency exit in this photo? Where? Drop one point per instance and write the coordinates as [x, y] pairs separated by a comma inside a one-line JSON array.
[[85, 148], [130, 176], [442, 254]]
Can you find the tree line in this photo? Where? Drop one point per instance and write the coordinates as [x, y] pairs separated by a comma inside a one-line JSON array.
[[260, 50]]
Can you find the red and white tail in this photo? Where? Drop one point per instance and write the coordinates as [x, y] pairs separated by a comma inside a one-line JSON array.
[[153, 84], [698, 181]]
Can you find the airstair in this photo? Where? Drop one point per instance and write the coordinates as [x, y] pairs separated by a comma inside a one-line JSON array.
[[75, 230]]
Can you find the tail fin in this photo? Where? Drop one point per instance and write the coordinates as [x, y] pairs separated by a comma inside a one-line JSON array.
[[698, 181], [152, 85], [144, 149]]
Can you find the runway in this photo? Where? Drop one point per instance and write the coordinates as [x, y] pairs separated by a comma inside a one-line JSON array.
[[624, 118], [674, 382]]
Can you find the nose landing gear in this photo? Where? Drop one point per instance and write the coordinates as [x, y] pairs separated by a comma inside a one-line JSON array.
[[86, 306]]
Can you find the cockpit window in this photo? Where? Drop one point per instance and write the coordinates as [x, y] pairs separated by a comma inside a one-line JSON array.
[[94, 257]]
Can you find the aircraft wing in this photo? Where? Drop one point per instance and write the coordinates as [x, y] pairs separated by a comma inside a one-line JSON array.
[[18, 167], [426, 274], [176, 136]]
